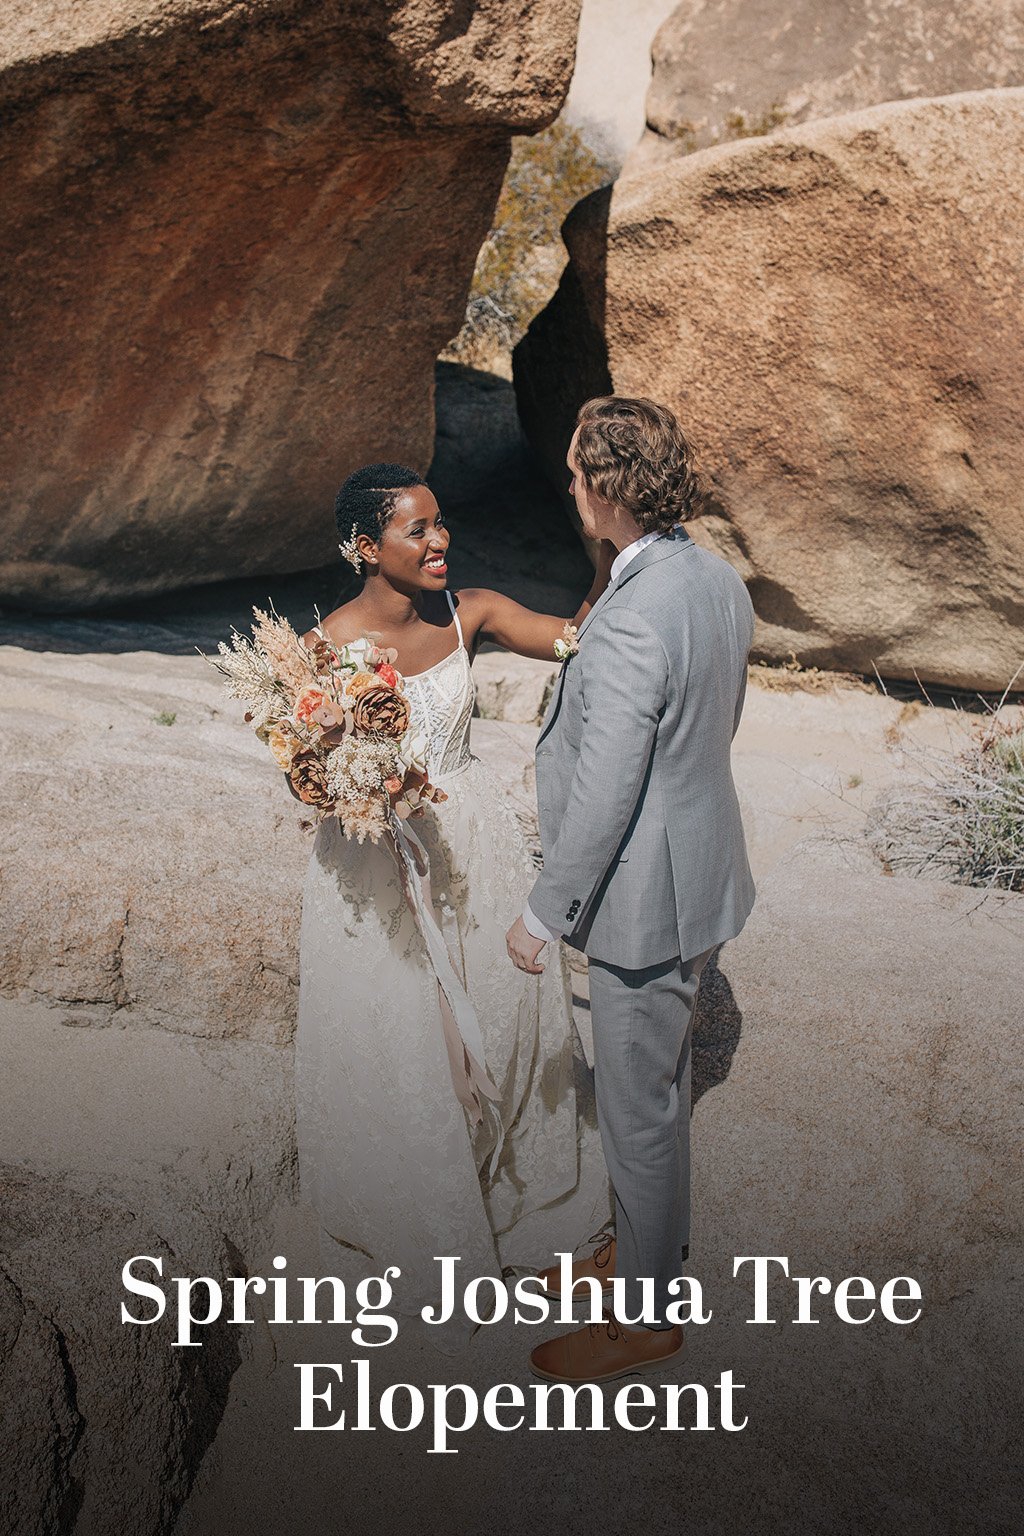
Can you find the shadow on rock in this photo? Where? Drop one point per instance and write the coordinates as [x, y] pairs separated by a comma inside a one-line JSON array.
[[509, 526], [104, 1425], [509, 531]]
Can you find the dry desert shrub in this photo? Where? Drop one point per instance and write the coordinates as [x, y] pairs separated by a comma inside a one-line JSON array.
[[962, 818], [792, 676]]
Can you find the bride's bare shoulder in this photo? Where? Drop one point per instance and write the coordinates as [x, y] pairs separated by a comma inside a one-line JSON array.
[[341, 626]]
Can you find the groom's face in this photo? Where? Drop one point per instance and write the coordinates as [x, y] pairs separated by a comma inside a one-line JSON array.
[[578, 490]]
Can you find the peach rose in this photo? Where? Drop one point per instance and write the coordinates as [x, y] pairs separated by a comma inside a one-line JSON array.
[[308, 702]]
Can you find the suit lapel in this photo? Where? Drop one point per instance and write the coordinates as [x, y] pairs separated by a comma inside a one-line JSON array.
[[612, 586], [554, 703], [551, 714], [659, 549]]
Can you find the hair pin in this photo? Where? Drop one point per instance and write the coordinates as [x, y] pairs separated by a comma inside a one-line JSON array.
[[349, 551]]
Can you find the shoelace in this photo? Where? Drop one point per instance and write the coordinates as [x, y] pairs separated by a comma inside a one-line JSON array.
[[605, 1239], [610, 1326]]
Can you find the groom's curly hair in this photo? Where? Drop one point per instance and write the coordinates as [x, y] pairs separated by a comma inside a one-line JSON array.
[[633, 453], [366, 501]]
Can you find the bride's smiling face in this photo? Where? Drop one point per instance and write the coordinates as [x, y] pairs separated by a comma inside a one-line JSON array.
[[412, 550]]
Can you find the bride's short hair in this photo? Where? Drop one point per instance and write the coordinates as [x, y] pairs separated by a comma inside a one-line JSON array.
[[634, 454], [367, 499]]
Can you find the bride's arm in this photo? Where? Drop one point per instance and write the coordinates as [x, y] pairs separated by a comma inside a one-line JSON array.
[[492, 616]]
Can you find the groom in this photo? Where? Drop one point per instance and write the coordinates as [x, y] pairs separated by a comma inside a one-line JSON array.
[[645, 867]]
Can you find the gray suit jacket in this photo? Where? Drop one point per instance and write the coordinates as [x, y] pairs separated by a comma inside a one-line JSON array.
[[644, 856]]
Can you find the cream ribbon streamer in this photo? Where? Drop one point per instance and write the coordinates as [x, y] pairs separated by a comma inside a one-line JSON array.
[[462, 1037]]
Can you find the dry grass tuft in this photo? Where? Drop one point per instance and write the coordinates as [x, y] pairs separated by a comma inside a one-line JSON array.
[[792, 677], [963, 818], [894, 730]]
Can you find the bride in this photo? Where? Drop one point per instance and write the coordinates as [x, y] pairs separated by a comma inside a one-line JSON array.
[[388, 1157]]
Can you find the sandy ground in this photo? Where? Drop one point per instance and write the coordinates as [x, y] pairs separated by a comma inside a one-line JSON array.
[[858, 1110], [858, 1092]]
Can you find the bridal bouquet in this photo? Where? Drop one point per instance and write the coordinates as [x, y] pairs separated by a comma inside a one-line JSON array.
[[336, 720]]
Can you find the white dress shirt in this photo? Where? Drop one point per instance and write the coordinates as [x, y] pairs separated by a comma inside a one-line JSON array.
[[531, 921], [626, 556]]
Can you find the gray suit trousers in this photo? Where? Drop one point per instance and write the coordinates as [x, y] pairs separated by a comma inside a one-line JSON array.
[[643, 1024]]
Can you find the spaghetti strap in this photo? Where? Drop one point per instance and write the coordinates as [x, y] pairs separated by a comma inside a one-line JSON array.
[[455, 616]]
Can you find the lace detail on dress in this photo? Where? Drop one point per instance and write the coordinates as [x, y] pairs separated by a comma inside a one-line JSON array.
[[442, 700]]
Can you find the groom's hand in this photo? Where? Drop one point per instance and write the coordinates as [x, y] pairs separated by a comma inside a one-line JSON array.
[[523, 948]]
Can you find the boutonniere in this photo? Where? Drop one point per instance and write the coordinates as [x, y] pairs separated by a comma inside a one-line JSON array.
[[568, 645]]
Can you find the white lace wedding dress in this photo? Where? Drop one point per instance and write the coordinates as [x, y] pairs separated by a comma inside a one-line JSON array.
[[387, 1157]]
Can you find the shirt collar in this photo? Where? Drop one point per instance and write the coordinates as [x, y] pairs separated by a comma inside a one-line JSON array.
[[626, 556]]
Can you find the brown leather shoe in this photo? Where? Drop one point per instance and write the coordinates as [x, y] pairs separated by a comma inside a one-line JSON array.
[[600, 1266], [602, 1351]]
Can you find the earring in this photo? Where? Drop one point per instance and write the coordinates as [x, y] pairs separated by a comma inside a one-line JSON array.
[[349, 551]]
